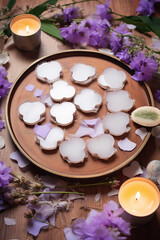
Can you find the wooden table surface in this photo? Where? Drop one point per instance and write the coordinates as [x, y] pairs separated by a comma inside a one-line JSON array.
[[19, 60]]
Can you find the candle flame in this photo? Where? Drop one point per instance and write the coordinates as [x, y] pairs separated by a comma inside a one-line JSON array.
[[27, 28], [137, 195]]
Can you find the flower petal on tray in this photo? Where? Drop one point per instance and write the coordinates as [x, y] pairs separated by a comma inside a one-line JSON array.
[[38, 92], [141, 132], [42, 130], [133, 170], [29, 87], [46, 99], [21, 159], [126, 145], [84, 131]]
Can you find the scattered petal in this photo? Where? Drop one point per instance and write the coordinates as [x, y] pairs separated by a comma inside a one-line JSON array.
[[29, 87], [97, 197], [131, 26], [73, 196], [52, 219], [4, 58], [113, 192], [34, 226], [1, 125], [2, 142], [98, 128], [133, 170], [91, 122], [141, 132], [112, 205], [49, 181], [21, 159], [46, 99], [42, 130], [155, 42], [10, 221], [126, 145], [70, 235], [38, 92], [85, 131]]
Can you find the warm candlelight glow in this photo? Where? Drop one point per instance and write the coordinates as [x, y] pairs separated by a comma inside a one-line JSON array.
[[26, 31], [139, 197], [25, 25]]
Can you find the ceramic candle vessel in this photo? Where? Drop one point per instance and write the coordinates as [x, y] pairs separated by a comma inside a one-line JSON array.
[[26, 31]]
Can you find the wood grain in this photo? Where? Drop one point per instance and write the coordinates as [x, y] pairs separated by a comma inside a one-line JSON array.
[[20, 60]]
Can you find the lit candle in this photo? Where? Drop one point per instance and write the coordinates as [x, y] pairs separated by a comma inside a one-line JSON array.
[[140, 198], [25, 30]]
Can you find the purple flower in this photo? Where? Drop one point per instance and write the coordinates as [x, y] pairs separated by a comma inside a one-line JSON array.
[[71, 13], [117, 41], [1, 122], [5, 176], [144, 67], [102, 225], [93, 32], [124, 56], [157, 95], [103, 11], [146, 7], [4, 84]]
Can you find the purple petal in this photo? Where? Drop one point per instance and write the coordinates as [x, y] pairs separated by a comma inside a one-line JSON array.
[[84, 131], [133, 170], [29, 87], [126, 145], [98, 128], [34, 226], [42, 130], [1, 125], [70, 235], [46, 99], [49, 181], [52, 219], [112, 205], [91, 122], [20, 158], [38, 92]]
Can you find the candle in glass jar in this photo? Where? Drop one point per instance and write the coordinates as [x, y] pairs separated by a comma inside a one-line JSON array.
[[26, 31], [139, 197]]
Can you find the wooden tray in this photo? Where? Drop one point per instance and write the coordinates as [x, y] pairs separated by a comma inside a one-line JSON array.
[[51, 161]]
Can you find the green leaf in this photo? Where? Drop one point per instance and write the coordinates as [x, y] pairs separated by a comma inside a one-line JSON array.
[[10, 4], [38, 10], [143, 24], [137, 21], [7, 32], [49, 28]]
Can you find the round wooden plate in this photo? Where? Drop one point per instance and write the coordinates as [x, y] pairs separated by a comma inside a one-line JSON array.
[[24, 137]]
